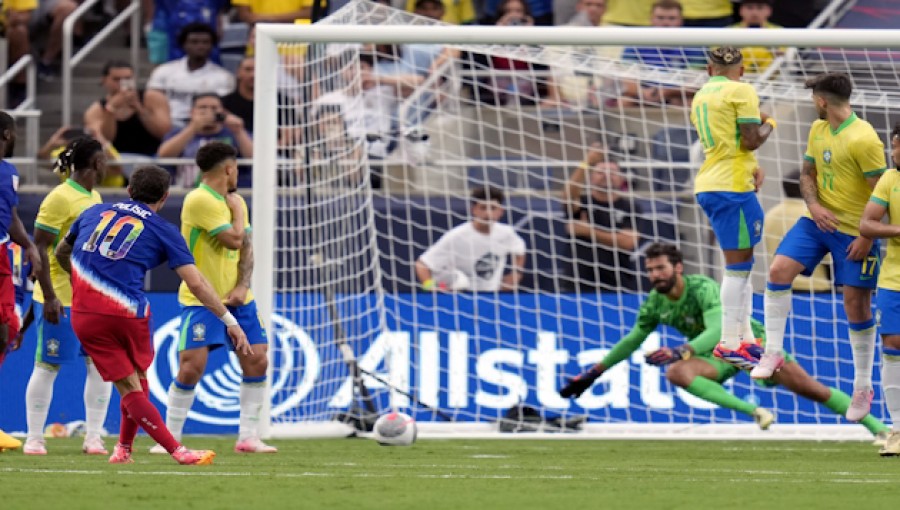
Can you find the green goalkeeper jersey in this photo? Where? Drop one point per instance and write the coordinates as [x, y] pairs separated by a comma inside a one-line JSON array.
[[697, 315]]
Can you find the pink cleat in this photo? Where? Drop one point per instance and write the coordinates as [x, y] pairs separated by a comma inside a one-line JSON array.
[[193, 457], [121, 455], [253, 445], [94, 446], [34, 447], [860, 405], [744, 357], [768, 365]]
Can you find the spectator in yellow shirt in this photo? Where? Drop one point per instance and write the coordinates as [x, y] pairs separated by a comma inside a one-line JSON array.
[[755, 14], [707, 13]]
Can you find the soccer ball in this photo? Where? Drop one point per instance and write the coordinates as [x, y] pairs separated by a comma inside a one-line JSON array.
[[395, 429], [56, 430]]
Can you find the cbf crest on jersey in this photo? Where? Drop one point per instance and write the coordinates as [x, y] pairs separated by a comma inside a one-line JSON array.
[[826, 155], [199, 332]]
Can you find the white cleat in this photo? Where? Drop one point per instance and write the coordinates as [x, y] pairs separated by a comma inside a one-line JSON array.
[[94, 446], [253, 445], [763, 417], [768, 365], [34, 446], [881, 438], [158, 450], [891, 447], [860, 405]]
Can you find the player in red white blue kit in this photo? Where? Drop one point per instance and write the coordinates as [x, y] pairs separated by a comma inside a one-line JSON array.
[[108, 251]]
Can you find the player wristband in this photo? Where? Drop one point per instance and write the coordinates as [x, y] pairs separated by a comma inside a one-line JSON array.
[[772, 122], [228, 319], [428, 284]]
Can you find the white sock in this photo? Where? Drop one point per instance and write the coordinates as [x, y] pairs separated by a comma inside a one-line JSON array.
[[252, 397], [748, 334], [180, 402], [777, 308], [96, 401], [890, 381], [733, 310], [863, 345], [38, 396]]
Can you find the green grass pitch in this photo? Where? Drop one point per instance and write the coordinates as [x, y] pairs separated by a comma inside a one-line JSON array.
[[463, 474]]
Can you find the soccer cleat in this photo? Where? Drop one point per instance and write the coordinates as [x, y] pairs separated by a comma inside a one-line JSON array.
[[763, 417], [193, 457], [253, 445], [7, 442], [891, 447], [881, 438], [860, 405], [158, 450], [769, 363], [34, 446], [744, 357], [121, 455], [94, 446]]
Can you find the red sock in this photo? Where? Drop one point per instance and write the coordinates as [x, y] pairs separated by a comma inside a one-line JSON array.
[[129, 428], [143, 412]]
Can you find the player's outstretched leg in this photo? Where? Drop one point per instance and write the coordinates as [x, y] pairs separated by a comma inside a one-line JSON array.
[[698, 377], [179, 401], [143, 412], [38, 395]]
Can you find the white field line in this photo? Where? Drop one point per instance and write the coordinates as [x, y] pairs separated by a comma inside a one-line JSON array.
[[837, 476]]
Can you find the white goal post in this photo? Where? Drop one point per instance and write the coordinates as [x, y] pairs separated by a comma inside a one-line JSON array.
[[333, 256]]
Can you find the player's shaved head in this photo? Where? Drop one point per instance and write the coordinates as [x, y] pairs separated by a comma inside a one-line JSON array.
[[149, 184], [834, 86], [213, 154]]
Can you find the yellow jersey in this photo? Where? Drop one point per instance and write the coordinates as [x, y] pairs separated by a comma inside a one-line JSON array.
[[844, 158], [717, 111], [203, 215], [457, 12], [628, 12], [887, 193], [59, 209], [706, 9], [265, 7]]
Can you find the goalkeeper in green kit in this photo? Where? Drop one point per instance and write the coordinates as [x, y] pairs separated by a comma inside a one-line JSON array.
[[691, 304]]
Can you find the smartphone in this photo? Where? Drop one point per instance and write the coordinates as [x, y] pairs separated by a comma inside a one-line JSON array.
[[126, 84], [220, 117]]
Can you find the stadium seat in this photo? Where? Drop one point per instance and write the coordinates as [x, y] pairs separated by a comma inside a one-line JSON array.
[[672, 145], [506, 174]]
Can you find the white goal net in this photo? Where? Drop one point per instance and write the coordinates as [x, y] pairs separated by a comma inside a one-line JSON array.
[[367, 154]]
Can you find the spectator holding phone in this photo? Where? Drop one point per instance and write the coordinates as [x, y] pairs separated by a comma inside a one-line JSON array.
[[755, 14], [208, 123], [133, 120]]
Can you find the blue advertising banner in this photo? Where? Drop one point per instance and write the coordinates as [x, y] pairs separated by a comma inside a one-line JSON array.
[[493, 352]]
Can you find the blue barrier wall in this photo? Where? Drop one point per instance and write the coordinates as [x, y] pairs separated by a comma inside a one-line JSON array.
[[486, 357]]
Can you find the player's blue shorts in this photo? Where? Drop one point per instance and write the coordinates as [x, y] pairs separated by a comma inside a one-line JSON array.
[[736, 218], [888, 312], [56, 343], [806, 244], [201, 328]]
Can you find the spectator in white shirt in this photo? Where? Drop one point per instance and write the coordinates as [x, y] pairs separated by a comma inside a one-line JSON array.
[[180, 80], [473, 255]]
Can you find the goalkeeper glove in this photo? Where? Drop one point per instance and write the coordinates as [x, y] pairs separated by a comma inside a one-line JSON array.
[[578, 384], [666, 355]]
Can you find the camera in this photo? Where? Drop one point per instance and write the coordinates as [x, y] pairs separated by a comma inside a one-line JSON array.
[[220, 117], [516, 22], [126, 84]]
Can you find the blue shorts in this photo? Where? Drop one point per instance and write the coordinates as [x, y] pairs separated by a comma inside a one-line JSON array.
[[888, 312], [736, 218], [56, 343], [806, 244], [201, 328]]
